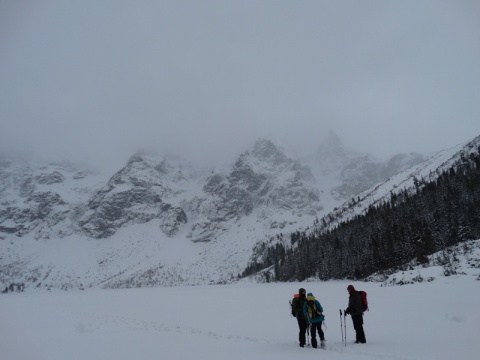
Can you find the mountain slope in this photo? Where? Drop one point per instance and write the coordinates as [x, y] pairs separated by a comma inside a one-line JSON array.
[[157, 221], [342, 173], [43, 200], [266, 181], [413, 214], [161, 221], [146, 188], [428, 170]]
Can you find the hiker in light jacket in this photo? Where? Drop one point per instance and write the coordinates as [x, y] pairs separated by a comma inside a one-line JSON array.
[[313, 311]]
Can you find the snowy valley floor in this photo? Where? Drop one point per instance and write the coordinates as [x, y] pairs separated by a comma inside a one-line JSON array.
[[438, 320]]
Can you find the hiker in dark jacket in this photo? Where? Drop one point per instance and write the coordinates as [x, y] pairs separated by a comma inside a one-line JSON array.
[[355, 310], [297, 311], [313, 310]]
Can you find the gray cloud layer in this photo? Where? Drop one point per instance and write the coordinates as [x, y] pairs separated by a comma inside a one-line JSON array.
[[96, 80]]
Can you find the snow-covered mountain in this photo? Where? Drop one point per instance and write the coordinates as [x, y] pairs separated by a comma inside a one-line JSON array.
[[161, 221], [146, 188], [405, 179], [412, 214], [343, 173], [267, 183], [43, 199]]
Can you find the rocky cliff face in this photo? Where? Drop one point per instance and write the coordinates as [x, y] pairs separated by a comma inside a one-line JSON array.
[[161, 221], [57, 200], [42, 199], [265, 179], [143, 190]]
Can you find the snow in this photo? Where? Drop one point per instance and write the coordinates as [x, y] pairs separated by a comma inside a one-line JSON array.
[[426, 319], [430, 320], [401, 181]]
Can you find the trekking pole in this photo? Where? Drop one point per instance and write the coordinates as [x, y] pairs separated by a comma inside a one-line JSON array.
[[308, 335], [345, 326], [341, 324]]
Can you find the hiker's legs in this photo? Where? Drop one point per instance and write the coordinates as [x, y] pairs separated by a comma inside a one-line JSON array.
[[318, 328], [302, 327], [313, 332], [320, 331], [358, 326]]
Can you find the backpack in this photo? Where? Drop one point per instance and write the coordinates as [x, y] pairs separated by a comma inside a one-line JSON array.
[[312, 310], [294, 304], [363, 296]]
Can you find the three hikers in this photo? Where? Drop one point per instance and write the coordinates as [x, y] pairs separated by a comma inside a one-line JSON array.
[[309, 314]]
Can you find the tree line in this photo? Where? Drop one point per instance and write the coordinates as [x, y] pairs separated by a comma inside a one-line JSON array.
[[410, 224]]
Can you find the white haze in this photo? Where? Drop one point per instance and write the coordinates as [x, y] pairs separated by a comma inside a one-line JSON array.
[[94, 81]]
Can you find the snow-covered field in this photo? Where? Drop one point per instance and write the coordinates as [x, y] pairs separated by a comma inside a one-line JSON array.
[[435, 320]]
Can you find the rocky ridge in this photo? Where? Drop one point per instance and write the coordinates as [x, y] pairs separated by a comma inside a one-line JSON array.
[[122, 225]]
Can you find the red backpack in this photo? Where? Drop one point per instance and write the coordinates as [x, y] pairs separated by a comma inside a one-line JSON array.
[[363, 296]]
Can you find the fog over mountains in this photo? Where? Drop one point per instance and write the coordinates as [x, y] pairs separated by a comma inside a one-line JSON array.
[[161, 220]]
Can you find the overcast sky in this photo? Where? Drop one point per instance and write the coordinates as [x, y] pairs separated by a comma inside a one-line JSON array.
[[95, 80]]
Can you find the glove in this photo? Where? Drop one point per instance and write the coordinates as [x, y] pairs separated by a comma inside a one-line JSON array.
[[294, 314], [347, 311]]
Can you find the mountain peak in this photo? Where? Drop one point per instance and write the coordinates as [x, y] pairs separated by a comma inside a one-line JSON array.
[[332, 140], [265, 149], [332, 155]]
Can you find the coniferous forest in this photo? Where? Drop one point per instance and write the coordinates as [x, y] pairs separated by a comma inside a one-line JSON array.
[[410, 225]]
